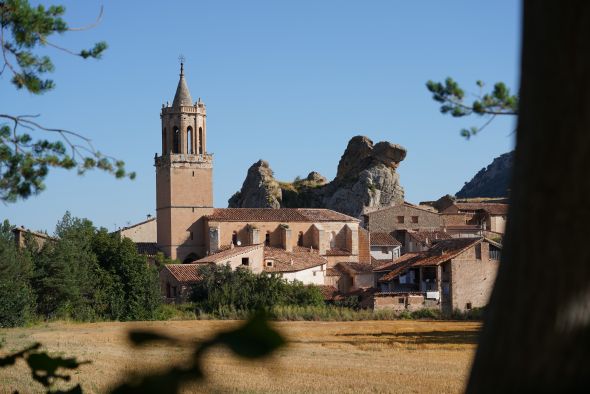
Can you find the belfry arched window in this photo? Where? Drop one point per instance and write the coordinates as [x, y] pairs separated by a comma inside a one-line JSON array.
[[267, 239], [189, 139], [234, 238], [300, 239], [164, 142], [200, 140], [176, 141]]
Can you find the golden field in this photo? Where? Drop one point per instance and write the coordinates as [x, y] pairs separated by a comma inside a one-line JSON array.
[[327, 357]]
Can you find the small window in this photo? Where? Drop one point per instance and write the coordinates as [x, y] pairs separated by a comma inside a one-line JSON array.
[[245, 261], [401, 300], [478, 251], [267, 239], [468, 306], [414, 219], [384, 249], [269, 263], [234, 238], [400, 219]]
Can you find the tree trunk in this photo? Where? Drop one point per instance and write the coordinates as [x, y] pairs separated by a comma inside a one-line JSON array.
[[536, 335]]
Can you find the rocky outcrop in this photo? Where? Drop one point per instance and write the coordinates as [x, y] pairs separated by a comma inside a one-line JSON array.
[[492, 181], [366, 180], [259, 189]]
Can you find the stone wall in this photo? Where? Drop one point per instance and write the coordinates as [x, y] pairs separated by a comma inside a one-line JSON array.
[[403, 217], [472, 278], [146, 231]]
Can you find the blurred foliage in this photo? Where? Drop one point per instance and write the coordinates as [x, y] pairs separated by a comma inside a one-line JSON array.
[[500, 101]]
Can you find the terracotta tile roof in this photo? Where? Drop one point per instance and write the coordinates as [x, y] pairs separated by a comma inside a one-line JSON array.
[[137, 224], [147, 248], [330, 293], [278, 215], [383, 239], [337, 252], [184, 273], [354, 267], [223, 255], [427, 237], [299, 259], [442, 251], [389, 265], [333, 272], [491, 208]]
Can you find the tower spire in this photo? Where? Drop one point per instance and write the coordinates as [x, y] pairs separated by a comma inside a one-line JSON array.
[[183, 95]]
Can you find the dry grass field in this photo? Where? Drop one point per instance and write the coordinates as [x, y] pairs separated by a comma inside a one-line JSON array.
[[337, 357]]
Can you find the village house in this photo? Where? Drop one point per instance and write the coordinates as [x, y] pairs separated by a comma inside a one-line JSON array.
[[384, 247], [455, 274], [483, 218], [419, 241], [21, 235]]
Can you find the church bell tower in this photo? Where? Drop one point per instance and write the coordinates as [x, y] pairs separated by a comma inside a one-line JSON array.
[[184, 187]]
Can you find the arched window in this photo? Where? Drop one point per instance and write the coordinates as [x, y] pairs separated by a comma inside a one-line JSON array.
[[164, 142], [267, 239], [189, 140], [200, 140], [300, 239], [234, 238], [176, 141]]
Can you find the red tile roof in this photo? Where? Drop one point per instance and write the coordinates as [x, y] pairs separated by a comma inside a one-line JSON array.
[[338, 252], [442, 251], [284, 215], [427, 237], [354, 267], [299, 259], [389, 265], [491, 208], [223, 255], [383, 239], [185, 273]]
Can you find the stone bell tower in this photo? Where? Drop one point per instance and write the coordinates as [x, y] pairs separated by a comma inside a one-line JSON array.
[[184, 187]]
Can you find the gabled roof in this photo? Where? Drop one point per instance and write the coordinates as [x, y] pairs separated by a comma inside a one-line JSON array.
[[427, 237], [491, 208], [222, 256], [441, 252], [299, 259], [182, 96], [284, 215], [137, 224], [184, 273], [389, 265], [383, 239], [354, 267]]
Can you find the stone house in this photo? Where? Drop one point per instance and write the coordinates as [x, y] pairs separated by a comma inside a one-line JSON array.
[[419, 241], [486, 216], [21, 234], [384, 247], [144, 232], [176, 281], [301, 264], [455, 274], [401, 218]]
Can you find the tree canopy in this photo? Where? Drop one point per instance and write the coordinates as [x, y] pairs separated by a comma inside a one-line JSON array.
[[26, 156], [500, 101]]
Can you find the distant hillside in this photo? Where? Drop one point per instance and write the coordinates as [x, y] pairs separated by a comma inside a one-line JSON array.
[[492, 181]]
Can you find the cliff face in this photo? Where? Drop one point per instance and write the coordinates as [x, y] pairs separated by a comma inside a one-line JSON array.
[[366, 178], [492, 181]]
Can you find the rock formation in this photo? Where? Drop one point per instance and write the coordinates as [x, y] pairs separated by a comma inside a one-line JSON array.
[[492, 181], [366, 179]]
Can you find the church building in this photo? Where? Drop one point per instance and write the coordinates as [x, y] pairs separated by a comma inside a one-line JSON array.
[[190, 229]]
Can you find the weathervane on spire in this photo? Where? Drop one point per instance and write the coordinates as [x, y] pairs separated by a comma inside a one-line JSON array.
[[181, 59]]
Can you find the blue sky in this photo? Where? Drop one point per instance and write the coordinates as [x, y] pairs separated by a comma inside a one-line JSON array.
[[286, 81]]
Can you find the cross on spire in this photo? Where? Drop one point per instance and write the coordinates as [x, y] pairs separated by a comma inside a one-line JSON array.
[[181, 59]]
